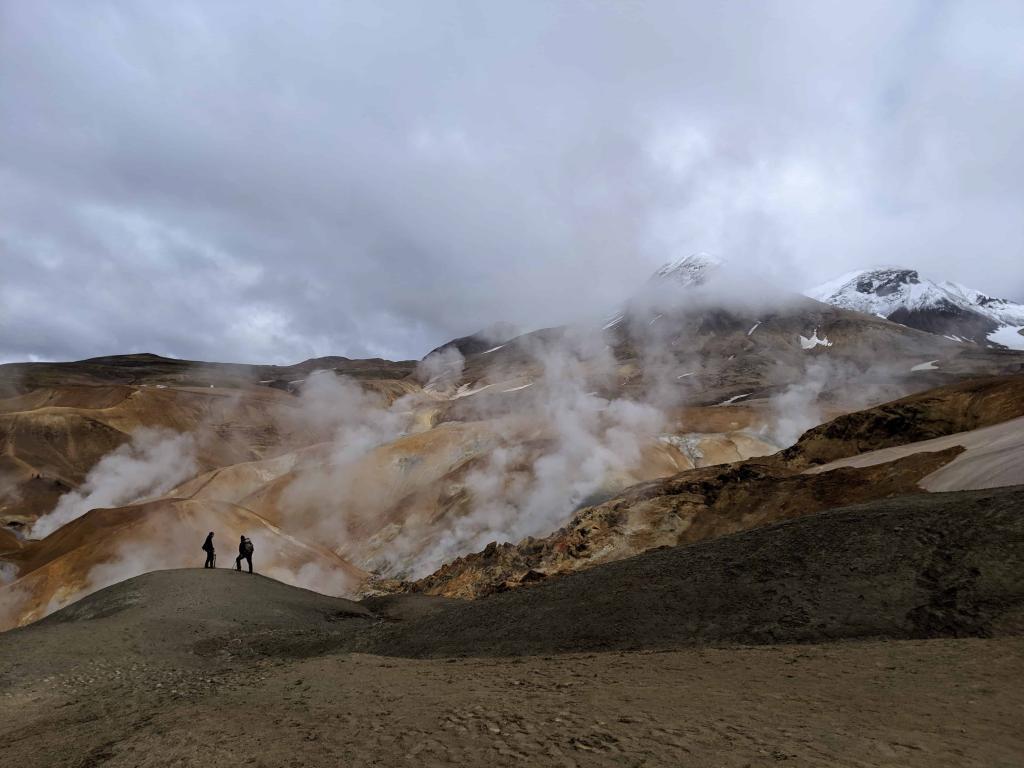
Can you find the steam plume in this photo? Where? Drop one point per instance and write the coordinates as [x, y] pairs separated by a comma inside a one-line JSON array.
[[151, 464]]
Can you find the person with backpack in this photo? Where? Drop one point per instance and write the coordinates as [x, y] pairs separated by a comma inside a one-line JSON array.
[[211, 556], [245, 550]]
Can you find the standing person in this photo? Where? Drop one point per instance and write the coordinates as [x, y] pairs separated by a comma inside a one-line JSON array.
[[211, 558], [245, 550]]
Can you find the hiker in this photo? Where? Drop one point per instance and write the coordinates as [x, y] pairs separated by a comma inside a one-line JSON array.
[[211, 557], [245, 550]]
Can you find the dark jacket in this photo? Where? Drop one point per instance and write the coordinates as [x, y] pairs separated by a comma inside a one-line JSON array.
[[208, 544]]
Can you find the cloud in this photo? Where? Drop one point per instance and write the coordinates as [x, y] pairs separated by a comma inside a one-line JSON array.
[[264, 183]]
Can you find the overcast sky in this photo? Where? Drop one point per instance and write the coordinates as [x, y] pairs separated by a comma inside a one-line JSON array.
[[267, 182]]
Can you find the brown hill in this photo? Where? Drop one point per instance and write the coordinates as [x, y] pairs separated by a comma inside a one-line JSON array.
[[106, 546], [138, 369], [705, 503], [941, 411], [50, 438]]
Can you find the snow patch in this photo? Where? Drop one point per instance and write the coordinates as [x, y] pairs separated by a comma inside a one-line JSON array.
[[733, 399], [615, 320], [813, 341], [689, 270], [465, 391], [1008, 336], [492, 349], [516, 389], [754, 328], [929, 366]]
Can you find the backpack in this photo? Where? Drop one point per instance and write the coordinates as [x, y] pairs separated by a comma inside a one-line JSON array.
[[247, 547]]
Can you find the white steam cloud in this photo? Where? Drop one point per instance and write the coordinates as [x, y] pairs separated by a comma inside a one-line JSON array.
[[358, 421], [441, 371], [798, 408], [802, 405], [355, 420], [586, 440], [153, 462]]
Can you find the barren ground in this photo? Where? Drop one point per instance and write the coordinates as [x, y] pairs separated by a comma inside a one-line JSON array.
[[907, 703], [191, 667]]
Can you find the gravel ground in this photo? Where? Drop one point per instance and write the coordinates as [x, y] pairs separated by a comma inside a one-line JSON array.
[[635, 663], [907, 703]]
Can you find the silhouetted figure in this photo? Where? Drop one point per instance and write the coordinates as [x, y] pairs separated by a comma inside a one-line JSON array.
[[211, 557], [245, 550]]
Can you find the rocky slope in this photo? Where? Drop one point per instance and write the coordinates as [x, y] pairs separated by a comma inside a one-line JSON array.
[[920, 566], [706, 503]]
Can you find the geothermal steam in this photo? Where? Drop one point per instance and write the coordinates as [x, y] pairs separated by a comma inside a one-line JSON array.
[[153, 462], [588, 439]]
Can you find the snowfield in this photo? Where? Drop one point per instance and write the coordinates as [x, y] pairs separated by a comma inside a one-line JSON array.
[[1009, 336]]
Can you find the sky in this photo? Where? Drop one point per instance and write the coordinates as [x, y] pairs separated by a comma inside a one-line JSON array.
[[269, 181]]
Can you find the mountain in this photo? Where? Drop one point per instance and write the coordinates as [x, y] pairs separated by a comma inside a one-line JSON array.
[[481, 341], [724, 335], [949, 309], [695, 269], [357, 474]]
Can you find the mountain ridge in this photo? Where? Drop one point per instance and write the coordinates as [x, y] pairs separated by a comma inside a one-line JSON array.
[[946, 308]]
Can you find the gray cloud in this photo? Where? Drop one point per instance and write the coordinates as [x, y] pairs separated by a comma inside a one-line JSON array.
[[271, 181]]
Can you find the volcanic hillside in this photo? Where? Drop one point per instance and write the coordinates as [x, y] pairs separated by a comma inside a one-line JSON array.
[[840, 574], [356, 475], [960, 437]]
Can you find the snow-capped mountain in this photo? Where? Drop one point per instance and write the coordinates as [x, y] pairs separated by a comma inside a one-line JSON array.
[[689, 270], [949, 309]]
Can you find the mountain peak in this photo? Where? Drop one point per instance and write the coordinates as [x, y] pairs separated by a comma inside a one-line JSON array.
[[689, 270], [902, 295]]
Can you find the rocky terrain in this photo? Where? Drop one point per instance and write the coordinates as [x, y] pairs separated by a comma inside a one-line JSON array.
[[183, 666], [897, 442]]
